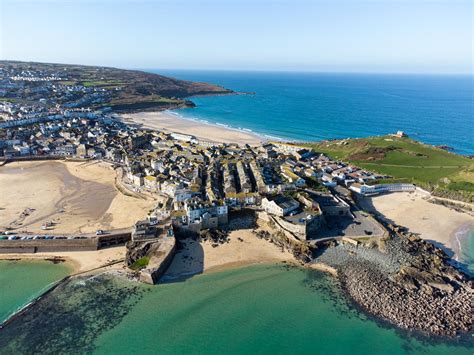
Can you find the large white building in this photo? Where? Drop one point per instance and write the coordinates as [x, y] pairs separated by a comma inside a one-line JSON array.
[[279, 205], [382, 188], [184, 137], [195, 210]]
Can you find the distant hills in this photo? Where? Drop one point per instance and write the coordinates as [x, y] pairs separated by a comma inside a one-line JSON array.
[[132, 89]]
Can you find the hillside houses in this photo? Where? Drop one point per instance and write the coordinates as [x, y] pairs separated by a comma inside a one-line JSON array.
[[199, 183]]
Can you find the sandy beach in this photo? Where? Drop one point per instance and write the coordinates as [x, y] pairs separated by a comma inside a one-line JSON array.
[[433, 222], [244, 248], [79, 197], [167, 122], [80, 261]]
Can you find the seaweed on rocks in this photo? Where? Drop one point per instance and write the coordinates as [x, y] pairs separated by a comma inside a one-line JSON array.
[[70, 318]]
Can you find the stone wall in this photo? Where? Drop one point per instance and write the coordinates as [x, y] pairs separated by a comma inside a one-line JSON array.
[[59, 245], [47, 245], [160, 260], [301, 231]]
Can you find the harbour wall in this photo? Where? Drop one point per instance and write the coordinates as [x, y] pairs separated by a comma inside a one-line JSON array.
[[160, 260], [60, 245]]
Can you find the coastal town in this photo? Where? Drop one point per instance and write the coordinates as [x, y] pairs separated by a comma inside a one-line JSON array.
[[286, 193]]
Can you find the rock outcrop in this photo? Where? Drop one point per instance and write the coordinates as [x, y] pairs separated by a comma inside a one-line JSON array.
[[405, 281]]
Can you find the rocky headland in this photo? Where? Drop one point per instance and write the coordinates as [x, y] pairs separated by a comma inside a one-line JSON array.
[[406, 281]]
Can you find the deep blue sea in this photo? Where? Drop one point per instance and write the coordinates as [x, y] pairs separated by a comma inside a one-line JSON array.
[[315, 106]]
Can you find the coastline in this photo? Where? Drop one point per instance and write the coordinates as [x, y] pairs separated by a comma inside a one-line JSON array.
[[434, 223], [460, 241], [79, 197], [242, 249], [79, 261], [172, 123]]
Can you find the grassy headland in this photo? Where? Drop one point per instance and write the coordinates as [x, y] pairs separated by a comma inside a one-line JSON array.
[[406, 160]]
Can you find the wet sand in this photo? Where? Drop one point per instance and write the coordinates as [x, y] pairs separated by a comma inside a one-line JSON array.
[[170, 123], [78, 197]]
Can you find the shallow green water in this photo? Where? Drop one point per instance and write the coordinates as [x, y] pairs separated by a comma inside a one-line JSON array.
[[259, 309], [21, 281], [466, 256], [263, 309]]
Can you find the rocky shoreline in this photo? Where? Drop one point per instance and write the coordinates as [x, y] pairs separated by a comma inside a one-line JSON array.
[[405, 281]]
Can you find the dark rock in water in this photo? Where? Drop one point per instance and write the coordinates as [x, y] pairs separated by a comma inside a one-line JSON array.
[[70, 318]]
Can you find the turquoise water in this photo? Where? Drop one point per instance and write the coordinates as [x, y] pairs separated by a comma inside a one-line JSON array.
[[262, 309], [258, 309], [466, 250], [313, 106], [21, 281], [436, 109]]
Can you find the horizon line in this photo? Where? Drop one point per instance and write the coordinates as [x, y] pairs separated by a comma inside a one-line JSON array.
[[305, 71], [309, 71]]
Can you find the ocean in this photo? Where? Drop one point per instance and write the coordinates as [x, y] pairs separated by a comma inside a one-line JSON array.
[[263, 309], [436, 109], [22, 281]]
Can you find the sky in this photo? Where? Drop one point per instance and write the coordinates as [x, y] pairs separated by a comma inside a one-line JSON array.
[[402, 36]]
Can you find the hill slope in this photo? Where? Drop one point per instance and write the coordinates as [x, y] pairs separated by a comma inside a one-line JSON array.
[[131, 89]]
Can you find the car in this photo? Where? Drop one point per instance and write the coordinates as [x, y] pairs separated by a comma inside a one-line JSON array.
[[99, 232]]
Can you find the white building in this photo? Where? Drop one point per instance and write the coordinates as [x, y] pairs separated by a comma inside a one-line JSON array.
[[184, 137], [279, 205], [382, 188], [182, 195]]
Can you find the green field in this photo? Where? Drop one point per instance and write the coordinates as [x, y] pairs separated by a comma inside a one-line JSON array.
[[8, 99], [406, 160], [103, 83]]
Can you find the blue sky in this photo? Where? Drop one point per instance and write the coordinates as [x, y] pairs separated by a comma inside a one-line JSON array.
[[319, 35]]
